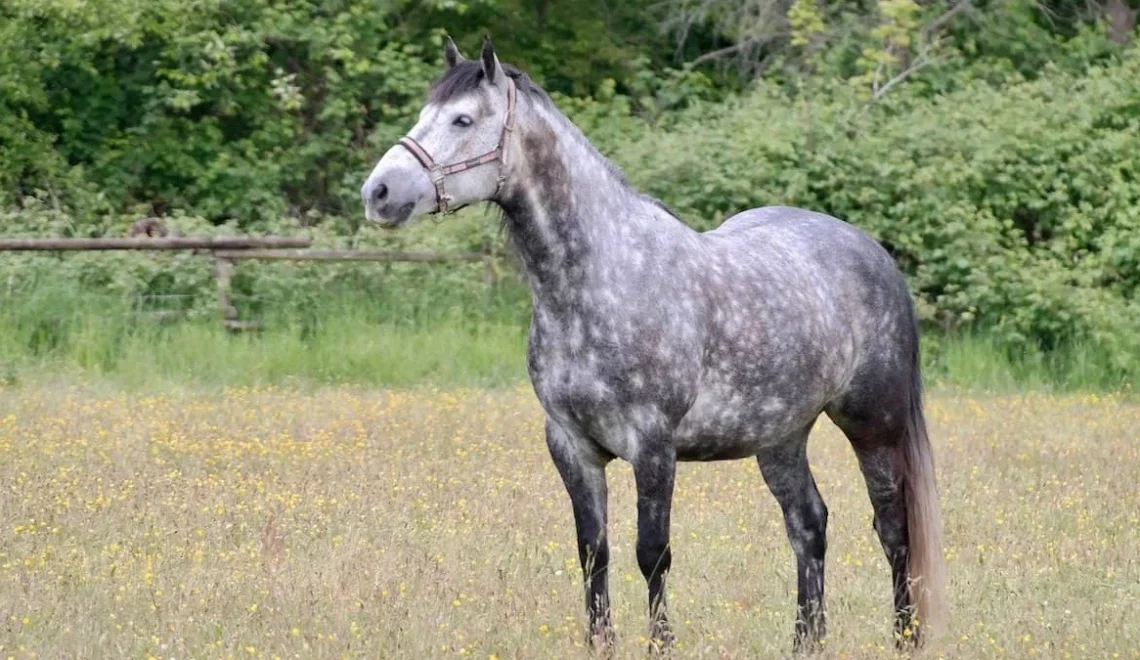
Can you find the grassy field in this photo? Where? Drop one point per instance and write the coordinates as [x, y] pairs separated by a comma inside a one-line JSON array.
[[408, 334], [341, 522]]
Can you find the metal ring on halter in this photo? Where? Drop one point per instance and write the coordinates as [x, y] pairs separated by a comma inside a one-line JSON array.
[[439, 173]]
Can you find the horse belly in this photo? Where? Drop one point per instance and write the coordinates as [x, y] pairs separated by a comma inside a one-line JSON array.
[[726, 425]]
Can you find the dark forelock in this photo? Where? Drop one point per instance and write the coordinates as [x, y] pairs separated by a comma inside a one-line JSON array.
[[465, 77]]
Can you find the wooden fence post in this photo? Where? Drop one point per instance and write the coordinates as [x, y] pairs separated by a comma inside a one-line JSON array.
[[223, 269]]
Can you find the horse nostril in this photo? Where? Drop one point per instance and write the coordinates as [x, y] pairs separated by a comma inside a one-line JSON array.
[[380, 193]]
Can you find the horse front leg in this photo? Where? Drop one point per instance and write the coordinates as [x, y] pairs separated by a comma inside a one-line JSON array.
[[654, 469], [584, 475]]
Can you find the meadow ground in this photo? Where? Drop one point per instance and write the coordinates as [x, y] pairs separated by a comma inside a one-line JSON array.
[[422, 524]]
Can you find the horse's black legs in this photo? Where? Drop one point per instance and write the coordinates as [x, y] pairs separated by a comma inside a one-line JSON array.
[[584, 475], [654, 472], [788, 476], [880, 468]]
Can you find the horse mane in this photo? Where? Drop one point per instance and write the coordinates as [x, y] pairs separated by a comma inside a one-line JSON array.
[[465, 77]]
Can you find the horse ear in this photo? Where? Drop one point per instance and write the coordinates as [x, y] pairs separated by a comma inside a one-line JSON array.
[[491, 67], [451, 53]]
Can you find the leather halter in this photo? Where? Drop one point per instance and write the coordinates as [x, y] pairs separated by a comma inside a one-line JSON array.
[[440, 172]]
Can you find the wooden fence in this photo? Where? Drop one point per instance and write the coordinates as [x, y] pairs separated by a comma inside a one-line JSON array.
[[225, 251], [179, 243]]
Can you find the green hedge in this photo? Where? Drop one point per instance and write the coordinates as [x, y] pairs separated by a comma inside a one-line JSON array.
[[1015, 208], [1011, 206], [245, 110]]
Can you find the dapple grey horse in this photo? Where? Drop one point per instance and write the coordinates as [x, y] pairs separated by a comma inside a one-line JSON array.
[[654, 343]]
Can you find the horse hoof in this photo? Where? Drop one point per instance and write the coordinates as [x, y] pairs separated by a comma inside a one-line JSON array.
[[808, 646], [601, 642], [908, 641], [661, 641]]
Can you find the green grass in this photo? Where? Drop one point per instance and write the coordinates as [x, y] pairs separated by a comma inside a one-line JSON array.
[[347, 352], [60, 332], [351, 351], [981, 362], [52, 335]]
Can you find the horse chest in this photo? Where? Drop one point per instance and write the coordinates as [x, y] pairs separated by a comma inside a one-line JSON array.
[[594, 376]]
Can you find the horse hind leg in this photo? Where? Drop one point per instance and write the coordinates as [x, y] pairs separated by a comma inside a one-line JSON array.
[[787, 473], [886, 429], [881, 472], [654, 473]]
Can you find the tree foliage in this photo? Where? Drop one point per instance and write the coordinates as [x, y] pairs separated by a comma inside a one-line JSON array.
[[1017, 208], [990, 144]]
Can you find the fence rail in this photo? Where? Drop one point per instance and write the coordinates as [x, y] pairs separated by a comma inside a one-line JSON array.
[[348, 255], [227, 250], [177, 243]]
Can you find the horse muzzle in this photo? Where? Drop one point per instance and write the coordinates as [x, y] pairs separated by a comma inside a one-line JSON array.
[[387, 205]]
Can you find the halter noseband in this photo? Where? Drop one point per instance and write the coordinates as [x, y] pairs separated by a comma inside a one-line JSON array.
[[440, 172]]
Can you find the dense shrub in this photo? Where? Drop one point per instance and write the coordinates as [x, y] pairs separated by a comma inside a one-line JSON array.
[[246, 110], [236, 109], [1007, 188], [1016, 208]]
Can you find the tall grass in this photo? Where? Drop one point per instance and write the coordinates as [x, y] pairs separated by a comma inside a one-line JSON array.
[[980, 361], [65, 331], [60, 331]]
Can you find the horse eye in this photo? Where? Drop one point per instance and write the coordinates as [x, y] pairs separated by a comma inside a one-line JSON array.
[[463, 120]]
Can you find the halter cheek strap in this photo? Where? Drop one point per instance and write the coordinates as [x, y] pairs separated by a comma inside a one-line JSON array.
[[439, 173]]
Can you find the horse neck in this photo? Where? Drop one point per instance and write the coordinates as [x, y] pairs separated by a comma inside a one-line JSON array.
[[567, 208]]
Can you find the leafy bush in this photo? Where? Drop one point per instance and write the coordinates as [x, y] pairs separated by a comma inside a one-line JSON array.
[[233, 108], [247, 110], [1017, 209], [1006, 182]]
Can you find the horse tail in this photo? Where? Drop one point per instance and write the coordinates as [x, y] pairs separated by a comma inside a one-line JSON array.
[[926, 566]]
